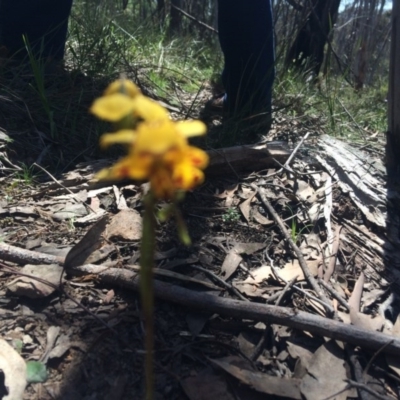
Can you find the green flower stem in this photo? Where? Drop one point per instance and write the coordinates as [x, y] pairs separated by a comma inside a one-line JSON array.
[[182, 228], [146, 287]]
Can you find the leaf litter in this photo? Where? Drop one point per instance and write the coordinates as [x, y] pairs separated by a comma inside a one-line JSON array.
[[87, 334]]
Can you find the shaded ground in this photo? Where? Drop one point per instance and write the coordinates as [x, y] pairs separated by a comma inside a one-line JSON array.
[[235, 240]]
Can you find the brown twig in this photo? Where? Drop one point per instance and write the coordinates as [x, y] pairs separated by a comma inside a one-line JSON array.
[[373, 358], [64, 187], [296, 149], [22, 256], [221, 281], [333, 256], [286, 289], [362, 386], [306, 271], [295, 173], [358, 372], [259, 347], [334, 294], [194, 19], [269, 314], [291, 157]]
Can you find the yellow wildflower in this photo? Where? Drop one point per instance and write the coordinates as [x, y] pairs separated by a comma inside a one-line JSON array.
[[159, 151], [123, 86], [158, 148], [122, 98]]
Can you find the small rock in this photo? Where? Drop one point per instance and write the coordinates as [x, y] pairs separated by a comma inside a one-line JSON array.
[[126, 225]]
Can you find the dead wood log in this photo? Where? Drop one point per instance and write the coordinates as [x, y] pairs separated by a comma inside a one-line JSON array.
[[358, 175], [239, 159], [393, 134], [364, 179], [247, 310]]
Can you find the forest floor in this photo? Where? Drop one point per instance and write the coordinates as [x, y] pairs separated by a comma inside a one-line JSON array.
[[285, 291]]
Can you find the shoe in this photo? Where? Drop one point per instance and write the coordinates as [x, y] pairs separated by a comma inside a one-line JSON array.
[[216, 104]]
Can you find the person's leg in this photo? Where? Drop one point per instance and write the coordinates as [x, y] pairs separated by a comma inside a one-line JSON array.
[[43, 22], [247, 41]]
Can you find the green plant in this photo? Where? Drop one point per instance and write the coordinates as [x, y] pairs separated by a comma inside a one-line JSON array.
[[26, 174], [71, 224], [38, 69], [295, 232], [332, 105], [231, 215]]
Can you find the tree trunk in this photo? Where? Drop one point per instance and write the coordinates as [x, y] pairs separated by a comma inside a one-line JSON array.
[[175, 18], [307, 49], [393, 134], [161, 11]]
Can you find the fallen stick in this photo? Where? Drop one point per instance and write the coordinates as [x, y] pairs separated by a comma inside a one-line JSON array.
[[23, 256], [304, 267], [247, 310]]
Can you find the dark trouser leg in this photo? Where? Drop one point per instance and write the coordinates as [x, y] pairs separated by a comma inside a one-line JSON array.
[[44, 22], [247, 41]]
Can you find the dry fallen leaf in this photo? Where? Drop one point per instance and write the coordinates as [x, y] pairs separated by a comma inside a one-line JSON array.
[[245, 207], [357, 318], [365, 321], [270, 385], [258, 217], [326, 374], [304, 191], [229, 195], [51, 337], [108, 297], [311, 246], [70, 211], [233, 258], [32, 288], [207, 385], [250, 286], [355, 298], [92, 241], [293, 269]]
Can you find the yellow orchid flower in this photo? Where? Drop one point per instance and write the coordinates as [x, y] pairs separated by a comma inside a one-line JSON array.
[[160, 136], [123, 86], [169, 172], [122, 98], [123, 136], [185, 176], [156, 136], [158, 147]]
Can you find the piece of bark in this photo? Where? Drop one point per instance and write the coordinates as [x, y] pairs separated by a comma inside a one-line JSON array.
[[356, 175]]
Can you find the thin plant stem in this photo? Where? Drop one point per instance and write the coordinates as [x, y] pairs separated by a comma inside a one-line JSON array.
[[147, 289]]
